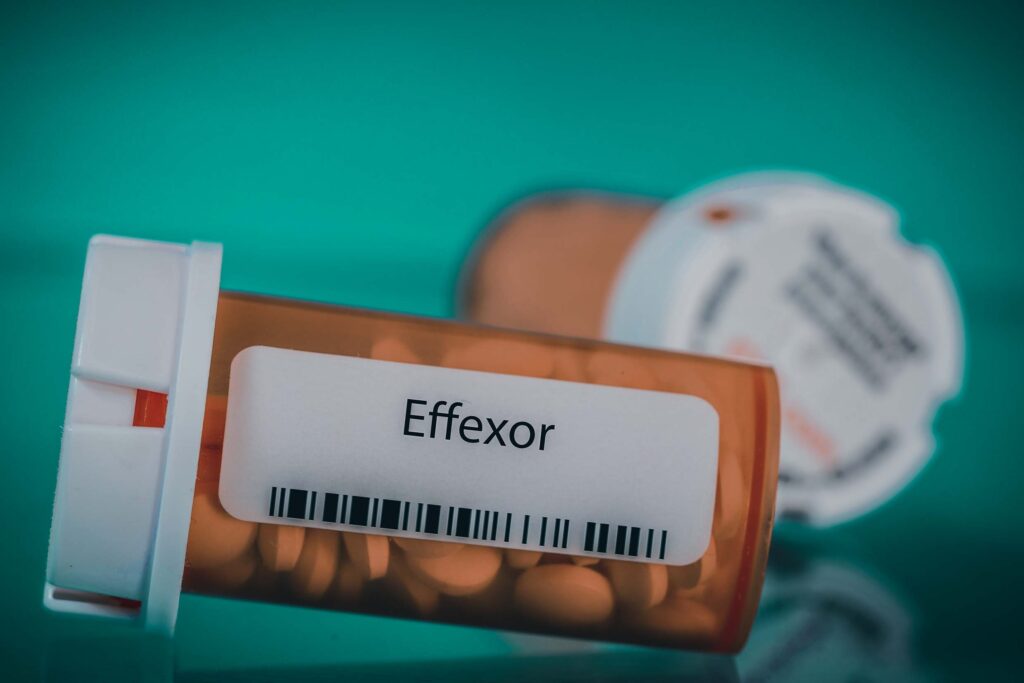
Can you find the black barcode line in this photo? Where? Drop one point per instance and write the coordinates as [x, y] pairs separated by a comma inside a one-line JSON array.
[[330, 507], [462, 522]]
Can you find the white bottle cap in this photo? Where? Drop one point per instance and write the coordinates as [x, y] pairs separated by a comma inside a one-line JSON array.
[[124, 493], [863, 328]]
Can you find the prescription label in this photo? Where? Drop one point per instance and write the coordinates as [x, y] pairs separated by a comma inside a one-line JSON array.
[[399, 449]]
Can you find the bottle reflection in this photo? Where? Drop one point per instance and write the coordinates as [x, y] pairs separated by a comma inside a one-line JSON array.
[[822, 619]]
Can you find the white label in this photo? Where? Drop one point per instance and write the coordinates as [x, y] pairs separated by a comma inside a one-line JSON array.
[[338, 442]]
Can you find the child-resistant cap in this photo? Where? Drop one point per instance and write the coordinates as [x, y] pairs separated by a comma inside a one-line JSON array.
[[124, 492], [863, 327]]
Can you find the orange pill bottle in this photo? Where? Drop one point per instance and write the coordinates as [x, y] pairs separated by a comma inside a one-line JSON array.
[[266, 449]]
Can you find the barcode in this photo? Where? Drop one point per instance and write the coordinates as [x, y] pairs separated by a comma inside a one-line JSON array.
[[467, 523]]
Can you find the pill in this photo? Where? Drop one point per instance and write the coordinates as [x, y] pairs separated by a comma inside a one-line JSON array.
[[232, 575], [465, 572], [348, 584], [492, 602], [393, 349], [709, 562], [522, 559], [585, 561], [684, 577], [367, 553], [409, 591], [564, 594], [503, 356], [318, 562], [606, 367], [418, 547], [215, 537], [280, 545], [637, 585], [677, 618]]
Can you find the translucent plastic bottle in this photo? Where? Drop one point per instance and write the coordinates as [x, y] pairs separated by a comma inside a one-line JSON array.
[[401, 466]]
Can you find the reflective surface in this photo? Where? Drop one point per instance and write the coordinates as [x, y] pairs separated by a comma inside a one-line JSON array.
[[350, 152]]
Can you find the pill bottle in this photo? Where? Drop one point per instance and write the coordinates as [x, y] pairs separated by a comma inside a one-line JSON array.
[[862, 327], [245, 446]]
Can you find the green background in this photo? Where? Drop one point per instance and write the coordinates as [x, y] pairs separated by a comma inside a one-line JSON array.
[[349, 152]]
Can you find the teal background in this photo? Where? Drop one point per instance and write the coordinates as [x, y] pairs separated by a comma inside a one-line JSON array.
[[350, 152]]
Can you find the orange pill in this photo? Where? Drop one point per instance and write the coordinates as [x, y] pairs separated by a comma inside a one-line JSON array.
[[564, 594], [318, 562], [468, 571], [393, 349], [368, 553], [637, 585], [280, 545], [418, 547], [585, 561], [522, 559], [677, 618], [348, 584], [410, 591], [684, 577], [233, 575], [709, 562], [215, 537]]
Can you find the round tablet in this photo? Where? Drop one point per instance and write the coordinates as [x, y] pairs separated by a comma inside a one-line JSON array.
[[418, 547], [637, 585], [709, 562], [468, 571], [409, 591], [585, 560], [215, 537], [393, 349], [280, 545], [314, 572], [231, 576], [684, 577], [522, 559], [564, 594], [677, 618], [368, 553], [348, 584]]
